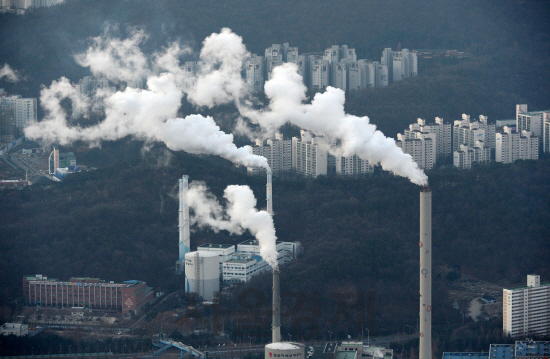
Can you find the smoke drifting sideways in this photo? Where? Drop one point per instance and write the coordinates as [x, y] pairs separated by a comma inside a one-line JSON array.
[[238, 216], [344, 134], [148, 114], [10, 74]]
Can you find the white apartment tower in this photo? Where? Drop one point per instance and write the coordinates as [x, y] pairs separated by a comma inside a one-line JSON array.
[[441, 130], [387, 60], [255, 73], [24, 109], [512, 146], [311, 159], [526, 310], [421, 148], [278, 152], [466, 132], [466, 156], [405, 64], [530, 121], [352, 165], [546, 133], [320, 74]]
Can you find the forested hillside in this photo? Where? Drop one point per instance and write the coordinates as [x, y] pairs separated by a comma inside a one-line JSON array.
[[359, 234]]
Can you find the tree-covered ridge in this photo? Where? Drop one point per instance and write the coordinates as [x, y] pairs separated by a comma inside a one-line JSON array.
[[359, 234]]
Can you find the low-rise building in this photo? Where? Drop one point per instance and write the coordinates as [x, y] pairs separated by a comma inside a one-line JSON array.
[[16, 329], [128, 297]]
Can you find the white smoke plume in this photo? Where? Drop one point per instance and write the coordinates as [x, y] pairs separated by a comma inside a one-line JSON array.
[[325, 116], [8, 73], [148, 114], [116, 59], [219, 79], [239, 215]]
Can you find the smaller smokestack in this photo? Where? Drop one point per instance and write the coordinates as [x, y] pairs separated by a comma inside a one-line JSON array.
[[276, 321], [184, 240], [269, 193]]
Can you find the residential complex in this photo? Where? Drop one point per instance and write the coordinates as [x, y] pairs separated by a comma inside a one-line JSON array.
[[19, 6], [421, 147], [307, 156], [512, 146], [467, 132], [530, 121], [526, 310], [466, 156], [128, 297]]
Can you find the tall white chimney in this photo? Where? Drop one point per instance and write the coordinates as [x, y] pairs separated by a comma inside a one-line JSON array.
[[269, 192], [425, 351], [276, 320], [184, 240]]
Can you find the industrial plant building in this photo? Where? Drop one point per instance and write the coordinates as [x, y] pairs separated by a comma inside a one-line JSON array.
[[240, 264], [522, 349], [128, 297], [526, 310], [17, 329]]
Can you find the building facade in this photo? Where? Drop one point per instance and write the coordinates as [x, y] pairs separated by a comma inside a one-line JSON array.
[[466, 156], [8, 131], [128, 297], [526, 310], [17, 329], [467, 132], [25, 110], [352, 165], [530, 121], [513, 146], [422, 148]]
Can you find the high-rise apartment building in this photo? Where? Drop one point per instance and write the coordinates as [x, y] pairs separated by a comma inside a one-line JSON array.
[[530, 121], [320, 74], [25, 110], [441, 130], [255, 72], [278, 153], [466, 156], [466, 132], [512, 146], [421, 146], [405, 64], [352, 165], [526, 310], [7, 123], [311, 158], [546, 133], [387, 60]]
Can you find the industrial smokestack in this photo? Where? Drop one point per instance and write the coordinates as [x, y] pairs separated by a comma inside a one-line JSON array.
[[276, 321], [425, 351], [184, 241], [269, 192]]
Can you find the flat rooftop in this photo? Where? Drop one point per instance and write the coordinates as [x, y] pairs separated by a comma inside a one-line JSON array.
[[212, 245], [527, 287]]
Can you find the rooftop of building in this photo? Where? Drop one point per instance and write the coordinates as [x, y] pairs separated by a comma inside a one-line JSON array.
[[347, 355], [212, 245], [533, 113], [128, 283], [253, 242], [241, 258], [528, 287]]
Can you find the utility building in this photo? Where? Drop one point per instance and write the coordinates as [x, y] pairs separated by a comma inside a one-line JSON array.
[[526, 310]]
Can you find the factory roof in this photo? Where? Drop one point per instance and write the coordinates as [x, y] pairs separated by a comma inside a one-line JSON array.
[[211, 245], [253, 242], [347, 355], [283, 346]]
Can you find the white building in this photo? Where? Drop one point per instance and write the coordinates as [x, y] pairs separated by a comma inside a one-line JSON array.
[[466, 156], [512, 146], [421, 146], [526, 310], [16, 329], [442, 132], [278, 153], [224, 251], [320, 74], [241, 267], [202, 274], [310, 157], [387, 60], [466, 132], [546, 133], [255, 73], [25, 110], [405, 64], [352, 165], [530, 121]]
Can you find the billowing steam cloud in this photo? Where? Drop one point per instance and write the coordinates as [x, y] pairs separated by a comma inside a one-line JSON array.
[[8, 73], [149, 114], [239, 215], [326, 116]]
